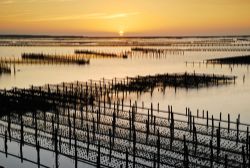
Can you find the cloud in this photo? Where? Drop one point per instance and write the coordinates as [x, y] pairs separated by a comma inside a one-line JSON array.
[[117, 15], [86, 16], [30, 1], [6, 2], [16, 15]]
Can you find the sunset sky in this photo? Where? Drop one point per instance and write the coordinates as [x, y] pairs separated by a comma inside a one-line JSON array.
[[133, 17]]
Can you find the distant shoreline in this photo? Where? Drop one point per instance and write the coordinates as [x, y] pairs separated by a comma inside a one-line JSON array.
[[15, 36]]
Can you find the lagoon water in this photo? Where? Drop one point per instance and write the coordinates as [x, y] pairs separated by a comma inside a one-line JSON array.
[[233, 98]]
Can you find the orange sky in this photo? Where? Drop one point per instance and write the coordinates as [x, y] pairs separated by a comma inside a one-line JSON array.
[[133, 17]]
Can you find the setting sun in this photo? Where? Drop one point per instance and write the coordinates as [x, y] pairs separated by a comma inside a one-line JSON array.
[[121, 32]]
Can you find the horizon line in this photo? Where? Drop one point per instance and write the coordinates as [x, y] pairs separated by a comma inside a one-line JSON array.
[[131, 36]]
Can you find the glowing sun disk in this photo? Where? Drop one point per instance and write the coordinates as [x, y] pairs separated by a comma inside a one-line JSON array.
[[121, 32]]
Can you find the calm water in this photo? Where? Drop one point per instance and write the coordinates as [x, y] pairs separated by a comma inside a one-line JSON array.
[[233, 99]]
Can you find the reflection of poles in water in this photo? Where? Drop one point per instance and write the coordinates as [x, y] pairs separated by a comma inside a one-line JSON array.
[[126, 158], [5, 144], [22, 141], [55, 149], [248, 149], [38, 154], [76, 152], [244, 78]]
